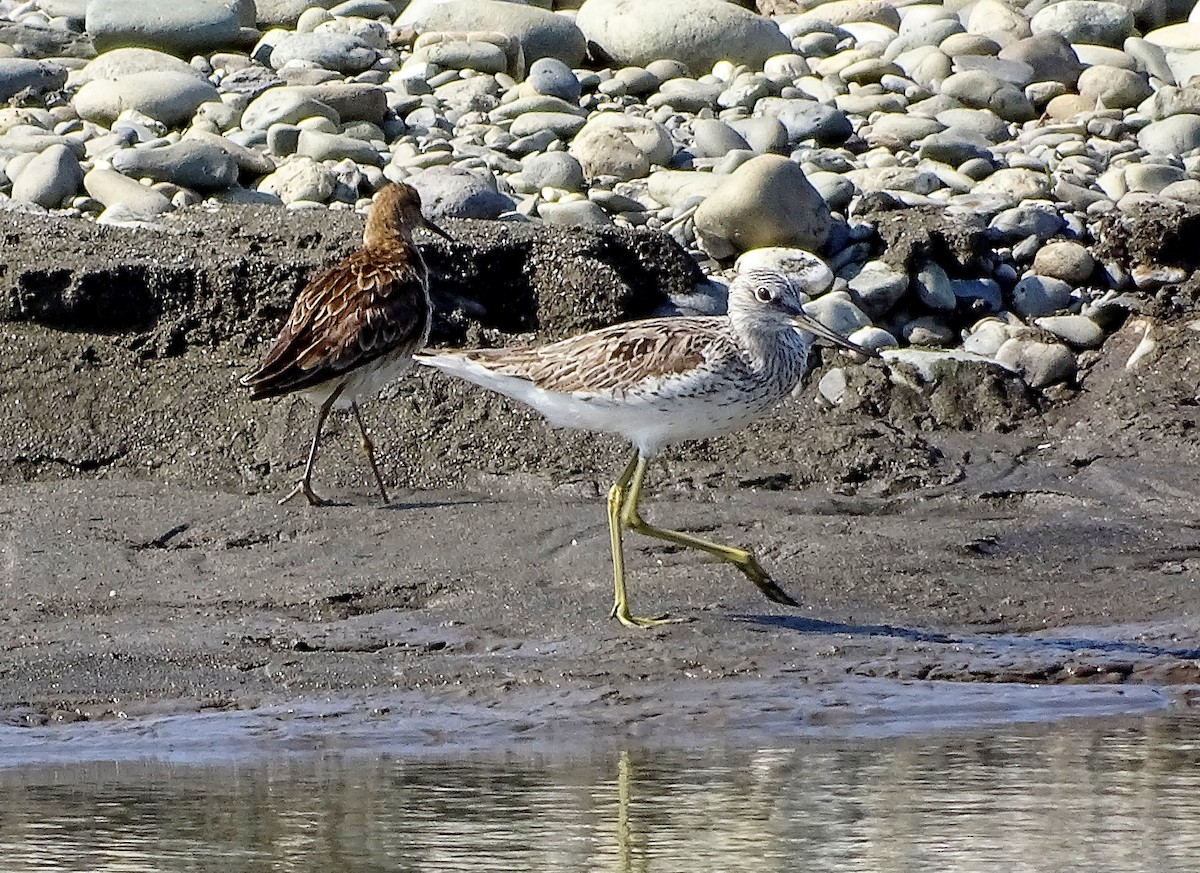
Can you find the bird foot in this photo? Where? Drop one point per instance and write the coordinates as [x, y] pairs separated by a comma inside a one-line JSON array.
[[311, 496], [639, 621]]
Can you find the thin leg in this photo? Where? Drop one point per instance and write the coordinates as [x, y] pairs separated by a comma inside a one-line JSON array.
[[740, 558], [304, 486], [618, 497], [369, 448]]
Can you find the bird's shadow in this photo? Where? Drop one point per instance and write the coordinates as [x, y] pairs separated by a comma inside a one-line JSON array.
[[1026, 644]]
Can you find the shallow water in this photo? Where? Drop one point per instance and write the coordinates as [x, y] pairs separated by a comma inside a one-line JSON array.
[[1081, 795]]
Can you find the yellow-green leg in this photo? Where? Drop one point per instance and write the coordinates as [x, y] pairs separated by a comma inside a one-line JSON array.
[[740, 558], [618, 496]]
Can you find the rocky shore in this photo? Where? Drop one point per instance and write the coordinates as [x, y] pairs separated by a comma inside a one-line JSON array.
[[1040, 129]]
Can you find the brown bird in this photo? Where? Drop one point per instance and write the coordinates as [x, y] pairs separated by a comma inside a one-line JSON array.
[[354, 327]]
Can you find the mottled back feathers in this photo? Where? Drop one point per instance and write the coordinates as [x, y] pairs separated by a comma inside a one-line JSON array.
[[373, 303]]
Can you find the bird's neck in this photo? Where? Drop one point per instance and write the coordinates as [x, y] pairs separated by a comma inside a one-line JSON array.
[[383, 234], [778, 351]]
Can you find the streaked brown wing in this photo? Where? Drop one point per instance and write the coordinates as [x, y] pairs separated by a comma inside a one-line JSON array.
[[617, 359], [354, 312]]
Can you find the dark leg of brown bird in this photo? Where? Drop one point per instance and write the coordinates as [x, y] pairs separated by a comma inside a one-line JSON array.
[[304, 486], [369, 448]]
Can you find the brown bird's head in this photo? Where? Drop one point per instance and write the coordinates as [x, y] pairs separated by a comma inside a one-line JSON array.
[[395, 213]]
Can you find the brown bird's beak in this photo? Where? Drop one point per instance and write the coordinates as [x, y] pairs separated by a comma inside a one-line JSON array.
[[806, 322], [430, 226]]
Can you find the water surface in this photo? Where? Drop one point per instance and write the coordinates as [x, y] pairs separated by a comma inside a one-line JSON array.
[[1080, 795]]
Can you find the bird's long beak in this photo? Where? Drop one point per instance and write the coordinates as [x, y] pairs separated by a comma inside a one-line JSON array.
[[430, 226], [806, 322]]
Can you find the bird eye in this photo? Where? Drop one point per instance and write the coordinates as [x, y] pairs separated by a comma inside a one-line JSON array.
[[762, 294]]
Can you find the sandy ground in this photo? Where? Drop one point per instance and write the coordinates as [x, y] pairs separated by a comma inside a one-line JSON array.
[[965, 553]]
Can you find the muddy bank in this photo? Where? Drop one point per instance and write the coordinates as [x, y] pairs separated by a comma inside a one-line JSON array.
[[963, 531]]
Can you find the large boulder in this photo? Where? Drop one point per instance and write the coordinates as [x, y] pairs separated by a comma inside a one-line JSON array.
[[697, 33]]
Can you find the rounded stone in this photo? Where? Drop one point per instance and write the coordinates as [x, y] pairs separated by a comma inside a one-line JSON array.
[[567, 213], [168, 97], [624, 146], [340, 52], [1171, 136], [299, 178], [185, 29], [1078, 331], [982, 90], [933, 287], [323, 146], [49, 179], [697, 33], [713, 139], [927, 330], [201, 166], [767, 201], [26, 74], [1069, 261], [554, 170], [837, 311], [117, 191], [1114, 88], [879, 286], [1039, 364], [552, 77], [284, 106], [1086, 21], [810, 273], [1040, 295], [542, 33], [451, 192]]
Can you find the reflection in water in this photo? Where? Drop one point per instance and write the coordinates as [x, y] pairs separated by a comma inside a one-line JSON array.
[[1116, 796]]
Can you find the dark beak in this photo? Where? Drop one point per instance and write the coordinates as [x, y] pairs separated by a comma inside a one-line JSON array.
[[804, 321], [430, 226]]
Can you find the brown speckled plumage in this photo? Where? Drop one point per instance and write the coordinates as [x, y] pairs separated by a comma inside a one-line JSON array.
[[357, 323]]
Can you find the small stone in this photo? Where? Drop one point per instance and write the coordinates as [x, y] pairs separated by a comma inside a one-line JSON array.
[[552, 77], [1085, 21], [1077, 331], [986, 337], [114, 190], [321, 146], [1035, 296], [978, 295], [837, 311], [1069, 261], [565, 213], [808, 271], [340, 52], [833, 385], [879, 286], [299, 179], [168, 97], [933, 288], [697, 33], [927, 330], [49, 179], [554, 170], [1039, 364]]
